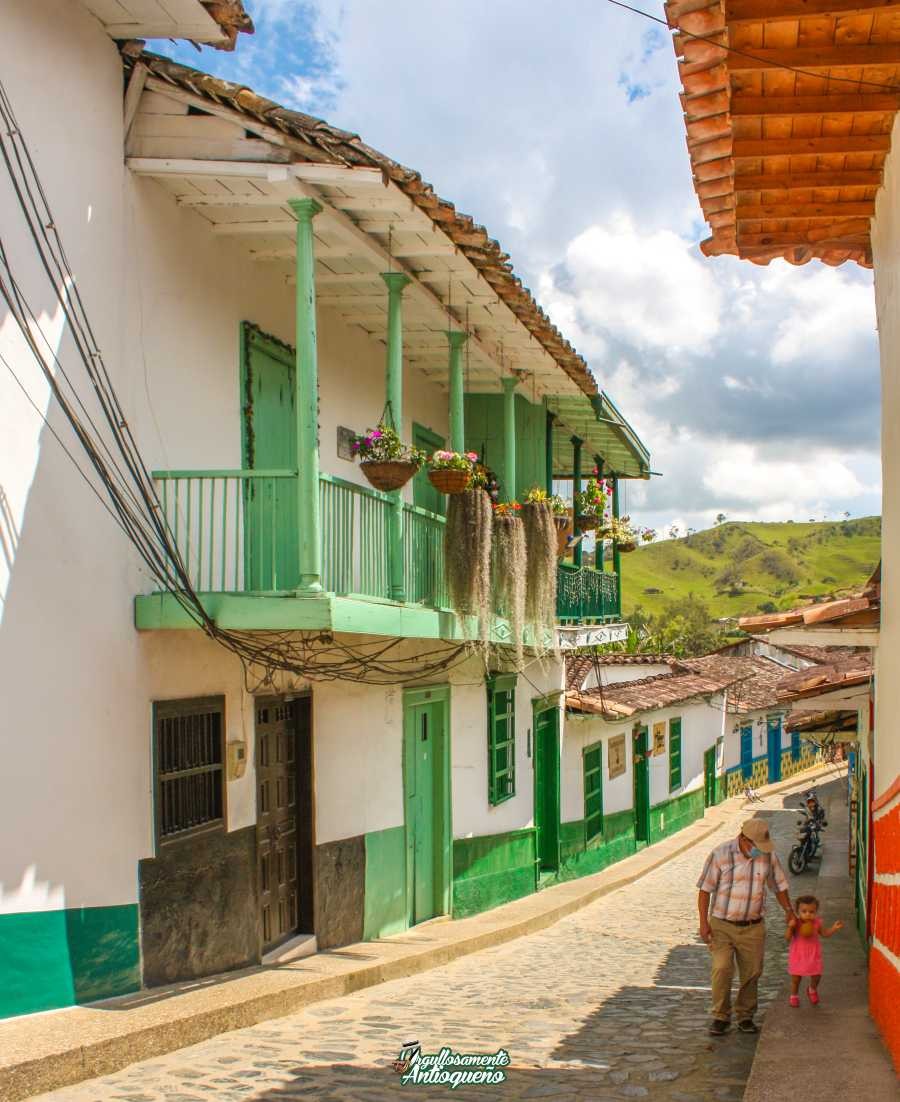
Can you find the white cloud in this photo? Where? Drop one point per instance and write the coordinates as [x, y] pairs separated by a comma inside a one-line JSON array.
[[649, 289]]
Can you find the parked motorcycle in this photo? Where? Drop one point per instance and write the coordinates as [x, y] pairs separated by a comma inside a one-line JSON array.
[[808, 836]]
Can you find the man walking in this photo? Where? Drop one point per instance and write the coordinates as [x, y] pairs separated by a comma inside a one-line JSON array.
[[736, 875]]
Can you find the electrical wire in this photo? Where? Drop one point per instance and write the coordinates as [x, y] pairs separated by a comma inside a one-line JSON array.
[[755, 57]]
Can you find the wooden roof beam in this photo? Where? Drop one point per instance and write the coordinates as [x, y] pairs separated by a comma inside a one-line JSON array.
[[789, 182], [798, 147], [804, 210], [814, 57], [879, 103], [793, 239], [771, 11]]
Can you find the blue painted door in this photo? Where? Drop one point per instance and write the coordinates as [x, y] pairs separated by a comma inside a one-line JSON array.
[[747, 751], [773, 731]]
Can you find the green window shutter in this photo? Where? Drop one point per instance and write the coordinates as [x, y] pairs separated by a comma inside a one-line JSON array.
[[674, 754], [501, 739], [592, 761]]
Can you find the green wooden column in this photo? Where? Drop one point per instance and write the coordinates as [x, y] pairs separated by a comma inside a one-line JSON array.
[[548, 451], [395, 281], [598, 550], [576, 488], [457, 390], [306, 401], [509, 436], [617, 557]]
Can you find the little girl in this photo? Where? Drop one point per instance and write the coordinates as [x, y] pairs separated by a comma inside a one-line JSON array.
[[805, 952]]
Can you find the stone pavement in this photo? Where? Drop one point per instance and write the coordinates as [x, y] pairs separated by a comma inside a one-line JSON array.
[[611, 1002]]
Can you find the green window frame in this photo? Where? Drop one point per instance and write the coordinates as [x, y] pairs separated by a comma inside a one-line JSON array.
[[674, 753], [501, 694], [592, 766]]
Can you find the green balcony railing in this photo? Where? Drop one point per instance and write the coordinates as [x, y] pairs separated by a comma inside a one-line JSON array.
[[236, 532], [584, 595]]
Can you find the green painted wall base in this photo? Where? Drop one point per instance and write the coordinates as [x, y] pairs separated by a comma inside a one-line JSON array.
[[385, 899], [673, 815], [491, 870], [52, 959], [580, 858]]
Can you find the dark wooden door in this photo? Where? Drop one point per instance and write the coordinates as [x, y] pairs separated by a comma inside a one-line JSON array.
[[709, 777], [284, 820], [641, 786]]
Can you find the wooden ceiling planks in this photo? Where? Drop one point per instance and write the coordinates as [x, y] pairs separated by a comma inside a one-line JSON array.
[[820, 135]]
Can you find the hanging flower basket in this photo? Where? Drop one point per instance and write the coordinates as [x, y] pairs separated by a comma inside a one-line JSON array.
[[389, 474], [586, 523], [450, 480], [626, 547]]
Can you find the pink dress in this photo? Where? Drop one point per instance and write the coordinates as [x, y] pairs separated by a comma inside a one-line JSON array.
[[805, 953]]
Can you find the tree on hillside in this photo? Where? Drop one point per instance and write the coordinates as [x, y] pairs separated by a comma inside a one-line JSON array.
[[720, 518], [683, 628]]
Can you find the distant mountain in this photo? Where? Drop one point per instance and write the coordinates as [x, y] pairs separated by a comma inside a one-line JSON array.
[[740, 569]]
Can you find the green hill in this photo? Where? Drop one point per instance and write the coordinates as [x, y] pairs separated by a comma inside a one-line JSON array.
[[740, 569]]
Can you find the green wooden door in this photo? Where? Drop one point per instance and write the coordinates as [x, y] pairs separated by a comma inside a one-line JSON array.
[[271, 546], [424, 494], [546, 787], [709, 777], [641, 773], [424, 783]]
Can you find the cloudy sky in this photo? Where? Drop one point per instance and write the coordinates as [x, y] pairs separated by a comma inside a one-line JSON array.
[[559, 128]]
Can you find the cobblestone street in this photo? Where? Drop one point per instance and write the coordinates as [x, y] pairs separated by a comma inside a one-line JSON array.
[[610, 1003]]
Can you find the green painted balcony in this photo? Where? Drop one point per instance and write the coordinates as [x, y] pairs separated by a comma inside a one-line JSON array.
[[237, 535]]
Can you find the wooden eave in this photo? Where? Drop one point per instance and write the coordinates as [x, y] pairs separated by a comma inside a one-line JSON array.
[[215, 23], [786, 163], [235, 159]]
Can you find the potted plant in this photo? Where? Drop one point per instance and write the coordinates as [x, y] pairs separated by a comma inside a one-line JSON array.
[[451, 472], [384, 459], [467, 556], [627, 535], [590, 504], [560, 515]]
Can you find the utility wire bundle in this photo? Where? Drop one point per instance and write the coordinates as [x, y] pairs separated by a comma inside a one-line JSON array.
[[121, 481]]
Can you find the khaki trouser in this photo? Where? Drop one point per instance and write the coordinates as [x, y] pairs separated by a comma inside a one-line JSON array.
[[747, 944]]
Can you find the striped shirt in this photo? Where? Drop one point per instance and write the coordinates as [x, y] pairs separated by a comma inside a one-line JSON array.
[[738, 883]]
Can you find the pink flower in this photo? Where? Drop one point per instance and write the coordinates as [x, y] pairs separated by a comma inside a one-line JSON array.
[[471, 455]]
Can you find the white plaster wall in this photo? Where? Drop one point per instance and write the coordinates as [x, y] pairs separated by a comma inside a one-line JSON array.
[[615, 675], [581, 732], [760, 733], [701, 725], [165, 299], [886, 254], [473, 816]]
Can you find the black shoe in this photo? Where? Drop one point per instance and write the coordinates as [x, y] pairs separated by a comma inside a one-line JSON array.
[[748, 1026], [718, 1028]]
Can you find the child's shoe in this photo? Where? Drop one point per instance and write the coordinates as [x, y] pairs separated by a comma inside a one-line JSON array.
[[795, 1000], [813, 995]]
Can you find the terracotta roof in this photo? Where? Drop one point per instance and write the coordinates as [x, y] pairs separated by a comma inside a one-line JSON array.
[[630, 697], [318, 142], [788, 110], [823, 721], [816, 680], [758, 676], [578, 666], [863, 609], [819, 655]]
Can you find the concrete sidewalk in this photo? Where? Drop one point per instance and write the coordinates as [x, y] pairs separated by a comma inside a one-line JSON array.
[[831, 1051], [42, 1052]]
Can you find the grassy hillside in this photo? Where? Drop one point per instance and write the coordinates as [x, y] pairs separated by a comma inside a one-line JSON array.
[[740, 569]]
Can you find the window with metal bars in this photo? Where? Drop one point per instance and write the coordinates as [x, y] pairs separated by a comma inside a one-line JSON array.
[[501, 739], [674, 753], [189, 760], [592, 764]]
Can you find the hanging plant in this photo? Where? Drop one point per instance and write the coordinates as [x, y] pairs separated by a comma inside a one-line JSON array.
[[590, 504], [540, 578], [384, 459], [467, 556], [451, 472], [627, 534], [509, 565]]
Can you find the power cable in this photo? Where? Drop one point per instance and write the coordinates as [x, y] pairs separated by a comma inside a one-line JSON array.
[[895, 88]]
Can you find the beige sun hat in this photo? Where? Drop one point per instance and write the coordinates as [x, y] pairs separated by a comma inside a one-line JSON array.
[[757, 830]]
